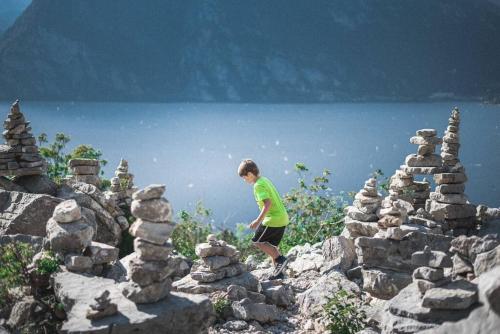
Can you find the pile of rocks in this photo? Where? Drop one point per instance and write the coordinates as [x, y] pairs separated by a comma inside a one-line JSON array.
[[451, 140], [409, 190], [391, 213], [425, 161], [361, 218], [218, 261], [471, 255], [70, 237], [431, 299], [20, 156], [149, 269], [430, 272], [122, 185], [449, 205], [85, 170]]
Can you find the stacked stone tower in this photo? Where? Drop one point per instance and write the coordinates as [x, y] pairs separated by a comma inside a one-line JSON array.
[[20, 154], [150, 270], [122, 185], [425, 161]]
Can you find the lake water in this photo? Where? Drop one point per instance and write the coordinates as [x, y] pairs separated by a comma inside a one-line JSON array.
[[195, 149]]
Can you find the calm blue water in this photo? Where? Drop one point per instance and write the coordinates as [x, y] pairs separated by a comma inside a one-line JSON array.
[[195, 149]]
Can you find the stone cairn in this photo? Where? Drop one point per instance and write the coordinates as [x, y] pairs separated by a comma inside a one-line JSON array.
[[103, 307], [218, 260], [150, 270], [448, 203], [85, 170], [409, 190], [392, 214], [361, 218], [20, 156], [70, 236], [430, 269], [425, 161], [122, 185]]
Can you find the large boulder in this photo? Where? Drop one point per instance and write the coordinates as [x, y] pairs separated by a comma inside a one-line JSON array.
[[68, 238], [248, 310], [178, 313], [37, 184], [25, 213], [312, 300], [487, 261], [339, 250], [383, 283]]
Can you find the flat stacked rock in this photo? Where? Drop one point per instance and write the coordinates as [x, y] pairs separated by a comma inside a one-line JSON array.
[[20, 154], [85, 170], [449, 204], [122, 185], [150, 270], [409, 190], [361, 218], [425, 161], [451, 140], [430, 272], [218, 261]]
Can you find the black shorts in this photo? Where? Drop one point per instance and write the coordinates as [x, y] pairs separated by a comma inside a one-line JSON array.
[[268, 234]]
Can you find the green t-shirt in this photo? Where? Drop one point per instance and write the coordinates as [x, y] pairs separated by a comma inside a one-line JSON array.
[[277, 215]]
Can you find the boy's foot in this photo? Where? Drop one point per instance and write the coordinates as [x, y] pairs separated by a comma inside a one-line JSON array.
[[281, 263], [279, 276]]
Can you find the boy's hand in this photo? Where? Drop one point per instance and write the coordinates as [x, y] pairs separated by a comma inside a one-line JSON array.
[[253, 225]]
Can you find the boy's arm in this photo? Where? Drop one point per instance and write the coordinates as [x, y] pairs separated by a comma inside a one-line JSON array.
[[263, 212]]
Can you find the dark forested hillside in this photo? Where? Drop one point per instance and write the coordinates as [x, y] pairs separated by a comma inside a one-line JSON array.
[[256, 50]]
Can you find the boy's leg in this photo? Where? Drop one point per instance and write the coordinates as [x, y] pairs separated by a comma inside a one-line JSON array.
[[269, 249]]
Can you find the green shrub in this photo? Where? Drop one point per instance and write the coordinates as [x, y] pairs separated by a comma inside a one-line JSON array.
[[14, 261], [315, 212], [221, 306], [46, 265], [191, 229], [57, 160], [344, 314]]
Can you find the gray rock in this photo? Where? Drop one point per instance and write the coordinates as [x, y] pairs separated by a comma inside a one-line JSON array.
[[450, 211], [216, 262], [157, 233], [22, 312], [235, 325], [67, 212], [205, 275], [383, 283], [248, 310], [447, 178], [154, 210], [359, 229], [414, 160], [457, 295], [420, 140], [470, 247], [149, 251], [83, 162], [78, 263], [69, 238], [489, 289], [148, 272], [150, 192], [8, 185], [429, 274], [236, 292], [35, 242], [277, 294], [340, 250], [454, 188], [205, 250], [312, 300], [36, 184], [146, 294], [461, 266], [356, 214], [433, 259], [449, 198], [189, 285], [23, 213], [179, 313], [101, 253], [486, 261]]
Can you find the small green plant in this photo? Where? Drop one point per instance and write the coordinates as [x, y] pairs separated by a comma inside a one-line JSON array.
[[344, 314], [46, 265], [192, 229], [57, 160], [221, 305], [315, 212]]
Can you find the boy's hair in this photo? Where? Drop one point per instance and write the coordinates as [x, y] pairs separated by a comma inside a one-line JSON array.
[[248, 166]]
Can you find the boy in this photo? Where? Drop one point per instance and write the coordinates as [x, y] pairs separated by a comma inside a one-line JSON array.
[[273, 218]]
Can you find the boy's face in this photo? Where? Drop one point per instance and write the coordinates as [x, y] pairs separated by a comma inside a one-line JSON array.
[[249, 178]]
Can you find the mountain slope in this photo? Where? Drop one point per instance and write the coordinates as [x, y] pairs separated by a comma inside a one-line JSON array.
[[258, 51]]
